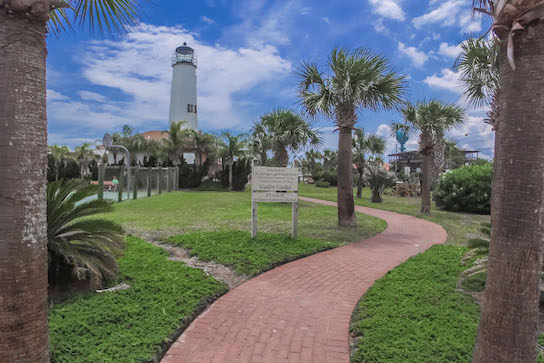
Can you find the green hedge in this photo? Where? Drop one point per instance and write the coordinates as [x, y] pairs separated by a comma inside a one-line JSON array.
[[467, 189]]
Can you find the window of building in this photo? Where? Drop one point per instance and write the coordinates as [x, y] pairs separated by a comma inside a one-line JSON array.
[[191, 108]]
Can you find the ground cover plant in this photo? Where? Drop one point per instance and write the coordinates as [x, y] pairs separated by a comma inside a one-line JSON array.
[[131, 325], [414, 314], [246, 255]]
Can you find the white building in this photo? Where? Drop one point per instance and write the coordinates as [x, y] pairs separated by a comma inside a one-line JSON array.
[[183, 105]]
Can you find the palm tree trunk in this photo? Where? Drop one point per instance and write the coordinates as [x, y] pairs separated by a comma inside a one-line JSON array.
[[230, 176], [426, 184], [346, 207], [23, 179], [360, 184], [282, 157], [376, 197], [439, 158], [508, 324]]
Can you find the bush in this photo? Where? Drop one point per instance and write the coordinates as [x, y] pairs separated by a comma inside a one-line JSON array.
[[322, 184], [190, 176], [240, 171], [466, 189], [330, 177], [211, 186]]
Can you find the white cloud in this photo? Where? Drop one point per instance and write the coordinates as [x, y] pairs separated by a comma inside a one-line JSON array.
[[91, 96], [207, 20], [445, 14], [379, 27], [55, 96], [470, 23], [306, 10], [326, 20], [448, 80], [417, 57], [138, 67], [388, 9], [449, 51]]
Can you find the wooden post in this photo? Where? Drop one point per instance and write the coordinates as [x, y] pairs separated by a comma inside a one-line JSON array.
[[176, 186], [160, 180], [168, 180], [149, 171], [294, 217], [135, 183], [121, 181], [101, 172], [254, 211]]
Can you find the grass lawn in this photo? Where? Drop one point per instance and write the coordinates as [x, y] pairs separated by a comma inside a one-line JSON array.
[[460, 226], [414, 313], [131, 325]]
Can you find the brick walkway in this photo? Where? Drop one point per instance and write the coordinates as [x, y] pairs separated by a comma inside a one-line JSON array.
[[300, 311]]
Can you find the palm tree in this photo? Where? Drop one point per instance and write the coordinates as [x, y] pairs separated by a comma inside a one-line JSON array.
[[84, 155], [330, 160], [378, 179], [176, 141], [233, 147], [60, 154], [23, 52], [431, 119], [84, 248], [508, 323], [285, 131], [451, 150], [355, 80], [312, 156], [362, 146], [260, 143], [203, 143]]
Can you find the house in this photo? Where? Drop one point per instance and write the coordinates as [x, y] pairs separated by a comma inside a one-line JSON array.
[[414, 161]]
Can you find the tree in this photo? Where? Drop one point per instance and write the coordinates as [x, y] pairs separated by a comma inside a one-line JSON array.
[[60, 154], [204, 144], [312, 156], [175, 143], [286, 130], [330, 160], [509, 317], [431, 119], [362, 146], [378, 179], [260, 143], [233, 146], [84, 156], [23, 241], [355, 80]]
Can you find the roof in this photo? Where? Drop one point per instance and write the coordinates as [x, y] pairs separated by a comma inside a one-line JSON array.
[[155, 135], [184, 49]]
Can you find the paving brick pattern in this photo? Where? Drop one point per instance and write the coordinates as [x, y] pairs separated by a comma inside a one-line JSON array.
[[300, 311]]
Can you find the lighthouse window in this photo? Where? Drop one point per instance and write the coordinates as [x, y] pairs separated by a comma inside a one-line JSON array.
[[191, 108], [195, 108]]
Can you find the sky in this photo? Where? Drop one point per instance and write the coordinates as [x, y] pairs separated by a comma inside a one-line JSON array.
[[248, 53]]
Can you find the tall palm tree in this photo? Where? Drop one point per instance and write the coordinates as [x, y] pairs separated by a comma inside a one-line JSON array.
[[508, 323], [330, 160], [430, 119], [84, 155], [363, 145], [176, 142], [312, 157], [233, 146], [60, 154], [23, 29], [203, 143], [260, 143], [355, 80], [286, 130]]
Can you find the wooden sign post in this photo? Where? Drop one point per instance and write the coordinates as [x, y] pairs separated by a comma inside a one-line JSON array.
[[279, 185]]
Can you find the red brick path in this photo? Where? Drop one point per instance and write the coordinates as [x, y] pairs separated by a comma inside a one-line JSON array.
[[300, 311]]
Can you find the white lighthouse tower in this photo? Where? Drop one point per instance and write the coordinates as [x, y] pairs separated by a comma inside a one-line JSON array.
[[183, 106]]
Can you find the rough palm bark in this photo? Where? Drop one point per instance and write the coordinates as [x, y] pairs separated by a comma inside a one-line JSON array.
[[23, 166], [360, 182], [438, 158], [231, 163], [426, 150], [508, 324], [346, 205], [282, 156]]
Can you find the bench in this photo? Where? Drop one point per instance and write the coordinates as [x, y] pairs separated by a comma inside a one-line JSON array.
[[107, 183]]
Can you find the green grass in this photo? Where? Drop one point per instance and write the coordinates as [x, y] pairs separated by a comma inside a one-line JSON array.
[[413, 314], [131, 325], [184, 212], [246, 255], [460, 226]]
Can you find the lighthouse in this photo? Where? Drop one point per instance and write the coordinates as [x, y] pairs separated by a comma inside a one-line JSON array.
[[183, 105]]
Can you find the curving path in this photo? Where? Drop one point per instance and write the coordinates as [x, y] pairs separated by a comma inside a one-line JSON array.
[[300, 311]]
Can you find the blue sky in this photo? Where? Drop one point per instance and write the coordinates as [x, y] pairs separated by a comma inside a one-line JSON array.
[[248, 52]]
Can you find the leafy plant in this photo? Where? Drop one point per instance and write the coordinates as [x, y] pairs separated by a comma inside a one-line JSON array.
[[378, 179], [240, 171], [77, 246], [322, 184], [466, 189]]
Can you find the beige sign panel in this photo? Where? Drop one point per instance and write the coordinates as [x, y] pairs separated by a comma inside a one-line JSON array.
[[274, 197], [274, 179]]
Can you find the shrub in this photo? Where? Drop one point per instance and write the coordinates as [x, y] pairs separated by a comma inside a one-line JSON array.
[[190, 176], [466, 189], [240, 171], [211, 186], [322, 184], [82, 248], [330, 177], [378, 180]]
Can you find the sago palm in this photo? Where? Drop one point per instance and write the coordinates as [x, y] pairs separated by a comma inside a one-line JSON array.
[[355, 80], [287, 131], [431, 119], [24, 26], [509, 320], [82, 248]]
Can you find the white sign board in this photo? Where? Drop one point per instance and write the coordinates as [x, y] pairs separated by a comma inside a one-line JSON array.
[[274, 185], [274, 197], [274, 179]]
